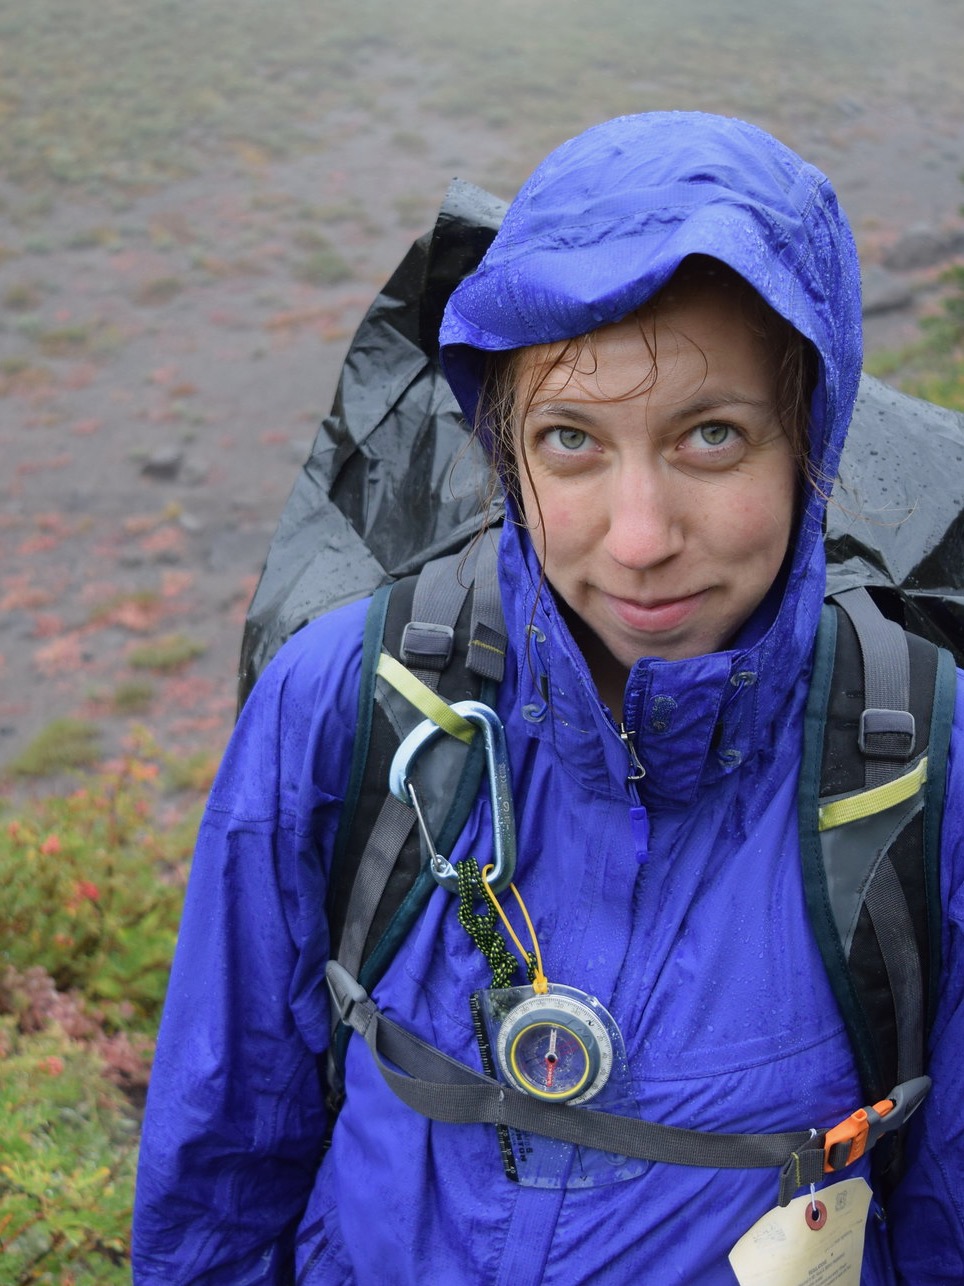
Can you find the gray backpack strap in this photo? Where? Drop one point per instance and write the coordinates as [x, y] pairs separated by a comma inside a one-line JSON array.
[[887, 735], [871, 798], [444, 1089], [487, 643], [887, 739], [426, 646], [380, 881]]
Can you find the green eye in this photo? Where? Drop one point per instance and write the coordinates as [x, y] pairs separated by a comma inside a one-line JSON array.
[[571, 439], [714, 435]]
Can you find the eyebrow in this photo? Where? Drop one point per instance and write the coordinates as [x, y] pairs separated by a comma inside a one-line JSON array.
[[570, 410], [719, 401]]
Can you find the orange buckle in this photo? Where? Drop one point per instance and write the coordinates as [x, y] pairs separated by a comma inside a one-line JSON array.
[[848, 1141]]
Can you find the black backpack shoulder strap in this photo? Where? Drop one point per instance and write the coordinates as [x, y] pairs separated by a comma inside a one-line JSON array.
[[871, 799], [453, 640]]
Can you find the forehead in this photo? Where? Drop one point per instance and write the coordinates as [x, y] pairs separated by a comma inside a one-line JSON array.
[[693, 331]]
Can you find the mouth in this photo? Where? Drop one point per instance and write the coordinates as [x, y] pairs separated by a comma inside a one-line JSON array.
[[655, 616]]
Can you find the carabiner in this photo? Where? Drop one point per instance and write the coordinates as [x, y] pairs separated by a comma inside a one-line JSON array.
[[500, 792]]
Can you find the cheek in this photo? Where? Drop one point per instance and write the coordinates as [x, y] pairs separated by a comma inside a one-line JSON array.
[[562, 528], [551, 509], [768, 519]]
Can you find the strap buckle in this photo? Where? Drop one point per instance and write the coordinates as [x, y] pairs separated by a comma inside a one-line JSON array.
[[887, 734], [348, 997], [427, 646], [857, 1133], [847, 1142]]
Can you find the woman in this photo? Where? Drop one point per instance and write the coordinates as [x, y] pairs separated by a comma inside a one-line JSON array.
[[661, 351]]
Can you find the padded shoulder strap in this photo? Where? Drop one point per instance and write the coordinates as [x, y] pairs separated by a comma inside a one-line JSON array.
[[871, 799], [434, 626]]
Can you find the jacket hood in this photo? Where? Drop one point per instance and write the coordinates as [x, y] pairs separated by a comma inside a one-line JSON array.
[[608, 218], [599, 228]]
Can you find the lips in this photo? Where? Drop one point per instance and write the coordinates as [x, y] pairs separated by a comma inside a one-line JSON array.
[[655, 616]]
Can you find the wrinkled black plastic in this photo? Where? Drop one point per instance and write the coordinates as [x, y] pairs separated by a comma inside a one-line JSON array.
[[896, 517], [394, 478]]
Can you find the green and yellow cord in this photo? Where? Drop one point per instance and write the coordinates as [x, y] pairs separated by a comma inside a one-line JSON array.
[[483, 928]]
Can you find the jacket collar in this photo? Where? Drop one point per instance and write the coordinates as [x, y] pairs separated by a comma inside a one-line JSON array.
[[693, 722]]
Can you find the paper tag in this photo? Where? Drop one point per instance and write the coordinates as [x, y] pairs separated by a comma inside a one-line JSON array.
[[796, 1246]]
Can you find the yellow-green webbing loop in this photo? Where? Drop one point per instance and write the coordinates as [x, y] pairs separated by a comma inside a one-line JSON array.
[[423, 698], [868, 802]]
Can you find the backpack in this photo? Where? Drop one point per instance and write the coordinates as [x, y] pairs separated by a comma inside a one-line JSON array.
[[372, 505], [877, 731]]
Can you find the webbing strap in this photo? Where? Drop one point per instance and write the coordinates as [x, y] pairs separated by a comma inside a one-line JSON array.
[[436, 606], [878, 710], [887, 699], [886, 663], [438, 597], [389, 833], [487, 643], [867, 802], [442, 587], [443, 1089], [421, 696], [894, 929]]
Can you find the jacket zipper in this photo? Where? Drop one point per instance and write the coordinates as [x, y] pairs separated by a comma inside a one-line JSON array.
[[638, 816], [636, 770]]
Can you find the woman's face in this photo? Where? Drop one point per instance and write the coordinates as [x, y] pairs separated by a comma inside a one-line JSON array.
[[660, 497]]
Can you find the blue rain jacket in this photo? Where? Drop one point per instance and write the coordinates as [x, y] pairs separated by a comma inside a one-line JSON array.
[[681, 909]]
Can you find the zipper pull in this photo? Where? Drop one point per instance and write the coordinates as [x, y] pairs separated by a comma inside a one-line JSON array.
[[636, 770], [638, 817]]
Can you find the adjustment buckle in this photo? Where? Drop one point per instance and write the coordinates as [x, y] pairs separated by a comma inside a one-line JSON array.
[[857, 1134], [427, 646], [348, 995], [887, 734]]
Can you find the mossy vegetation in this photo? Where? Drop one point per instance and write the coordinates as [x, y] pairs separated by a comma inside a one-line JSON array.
[[90, 893], [135, 696], [62, 745], [167, 653]]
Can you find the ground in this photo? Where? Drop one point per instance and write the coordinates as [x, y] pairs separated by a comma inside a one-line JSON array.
[[169, 343]]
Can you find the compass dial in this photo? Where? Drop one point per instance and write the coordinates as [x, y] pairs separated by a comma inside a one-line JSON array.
[[556, 1048]]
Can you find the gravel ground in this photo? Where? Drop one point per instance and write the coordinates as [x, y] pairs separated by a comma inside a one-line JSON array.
[[167, 349]]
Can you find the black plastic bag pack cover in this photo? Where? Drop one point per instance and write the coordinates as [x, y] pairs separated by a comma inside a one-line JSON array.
[[394, 477]]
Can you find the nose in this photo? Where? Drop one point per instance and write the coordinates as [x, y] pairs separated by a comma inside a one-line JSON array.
[[645, 521]]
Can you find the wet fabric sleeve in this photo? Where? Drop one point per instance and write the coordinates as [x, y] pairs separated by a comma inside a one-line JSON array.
[[927, 1211], [235, 1119]]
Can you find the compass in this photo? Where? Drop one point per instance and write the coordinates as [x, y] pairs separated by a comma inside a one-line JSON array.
[[555, 1047]]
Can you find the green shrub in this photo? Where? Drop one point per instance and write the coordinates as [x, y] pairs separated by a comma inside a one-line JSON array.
[[324, 267], [90, 892], [22, 296], [65, 341], [933, 366], [194, 772], [134, 696], [67, 1167], [160, 290], [165, 654]]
